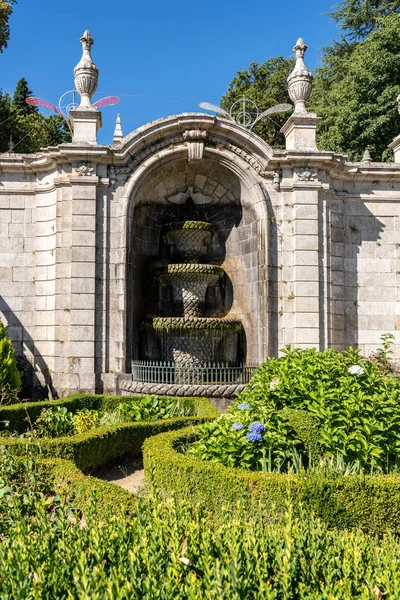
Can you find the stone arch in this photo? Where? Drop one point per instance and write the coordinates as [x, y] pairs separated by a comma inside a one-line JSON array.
[[246, 242]]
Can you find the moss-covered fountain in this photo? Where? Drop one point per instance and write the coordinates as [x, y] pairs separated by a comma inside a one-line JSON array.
[[189, 335]]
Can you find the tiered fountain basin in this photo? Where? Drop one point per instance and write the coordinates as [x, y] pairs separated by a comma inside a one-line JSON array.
[[195, 340], [189, 239], [189, 284]]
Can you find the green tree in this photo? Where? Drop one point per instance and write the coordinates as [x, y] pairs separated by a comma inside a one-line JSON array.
[[10, 380], [266, 85], [358, 18], [31, 132], [6, 7], [355, 93], [21, 93], [5, 120]]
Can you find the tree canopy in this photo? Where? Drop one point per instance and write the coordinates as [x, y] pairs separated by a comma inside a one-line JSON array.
[[265, 85], [354, 91], [28, 129], [358, 18], [6, 8], [21, 93], [355, 94]]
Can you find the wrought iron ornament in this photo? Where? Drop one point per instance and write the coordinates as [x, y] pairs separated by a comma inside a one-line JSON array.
[[245, 112]]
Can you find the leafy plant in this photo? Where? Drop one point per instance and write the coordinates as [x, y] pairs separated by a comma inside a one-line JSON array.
[[10, 380], [356, 406], [86, 419], [111, 417], [53, 422], [383, 355], [152, 407]]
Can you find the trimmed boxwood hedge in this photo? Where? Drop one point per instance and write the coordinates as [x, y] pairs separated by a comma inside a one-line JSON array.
[[102, 444], [368, 502], [16, 414], [64, 477]]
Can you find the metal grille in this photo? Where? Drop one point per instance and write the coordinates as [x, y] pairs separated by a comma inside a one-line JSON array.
[[207, 373]]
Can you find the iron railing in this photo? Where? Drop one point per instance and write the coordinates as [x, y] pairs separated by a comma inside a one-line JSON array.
[[206, 373]]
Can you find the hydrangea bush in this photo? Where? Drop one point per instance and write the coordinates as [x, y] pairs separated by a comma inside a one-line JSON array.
[[355, 403]]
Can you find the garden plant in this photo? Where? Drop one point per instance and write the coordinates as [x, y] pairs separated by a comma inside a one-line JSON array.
[[168, 549], [351, 404]]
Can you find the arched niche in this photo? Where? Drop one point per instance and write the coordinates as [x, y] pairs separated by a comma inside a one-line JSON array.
[[226, 192]]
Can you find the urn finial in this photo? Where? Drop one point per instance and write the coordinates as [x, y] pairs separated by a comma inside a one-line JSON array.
[[86, 73], [300, 80]]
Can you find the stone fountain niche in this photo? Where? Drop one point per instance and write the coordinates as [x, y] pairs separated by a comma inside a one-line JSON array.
[[187, 330]]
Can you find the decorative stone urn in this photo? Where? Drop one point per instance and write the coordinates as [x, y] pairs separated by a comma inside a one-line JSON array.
[[189, 239], [300, 80], [86, 73], [189, 285]]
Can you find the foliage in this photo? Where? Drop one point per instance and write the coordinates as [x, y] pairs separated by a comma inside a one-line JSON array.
[[53, 422], [384, 354], [49, 548], [369, 502], [359, 18], [266, 85], [86, 419], [21, 93], [29, 130], [6, 8], [149, 408], [18, 415], [10, 379], [355, 93], [99, 445], [356, 407]]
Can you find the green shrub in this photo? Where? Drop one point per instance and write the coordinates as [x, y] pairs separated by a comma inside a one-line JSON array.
[[169, 549], [369, 502], [17, 417], [353, 406], [147, 408], [86, 419], [53, 422], [97, 446], [10, 380]]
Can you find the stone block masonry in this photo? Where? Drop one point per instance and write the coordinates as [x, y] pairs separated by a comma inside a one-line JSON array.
[[309, 244]]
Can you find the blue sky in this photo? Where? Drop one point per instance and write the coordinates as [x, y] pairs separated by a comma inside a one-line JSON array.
[[150, 52]]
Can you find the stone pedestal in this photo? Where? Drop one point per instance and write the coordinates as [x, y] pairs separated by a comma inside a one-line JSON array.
[[86, 124], [300, 132]]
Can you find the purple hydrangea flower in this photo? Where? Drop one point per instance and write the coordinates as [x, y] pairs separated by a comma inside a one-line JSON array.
[[243, 406], [253, 436], [237, 426], [257, 427]]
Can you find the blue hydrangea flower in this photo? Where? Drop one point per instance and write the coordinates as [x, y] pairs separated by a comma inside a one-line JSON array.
[[253, 436], [257, 427], [243, 406], [237, 426]]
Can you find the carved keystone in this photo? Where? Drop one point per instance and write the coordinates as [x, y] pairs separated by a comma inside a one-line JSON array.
[[195, 139]]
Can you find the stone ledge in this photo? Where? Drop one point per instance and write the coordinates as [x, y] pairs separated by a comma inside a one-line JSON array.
[[126, 386]]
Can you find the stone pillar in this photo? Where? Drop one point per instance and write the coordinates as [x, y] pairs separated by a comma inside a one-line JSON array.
[[303, 260], [83, 273], [76, 279]]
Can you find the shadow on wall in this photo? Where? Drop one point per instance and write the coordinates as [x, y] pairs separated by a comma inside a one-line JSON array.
[[36, 379], [359, 257]]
